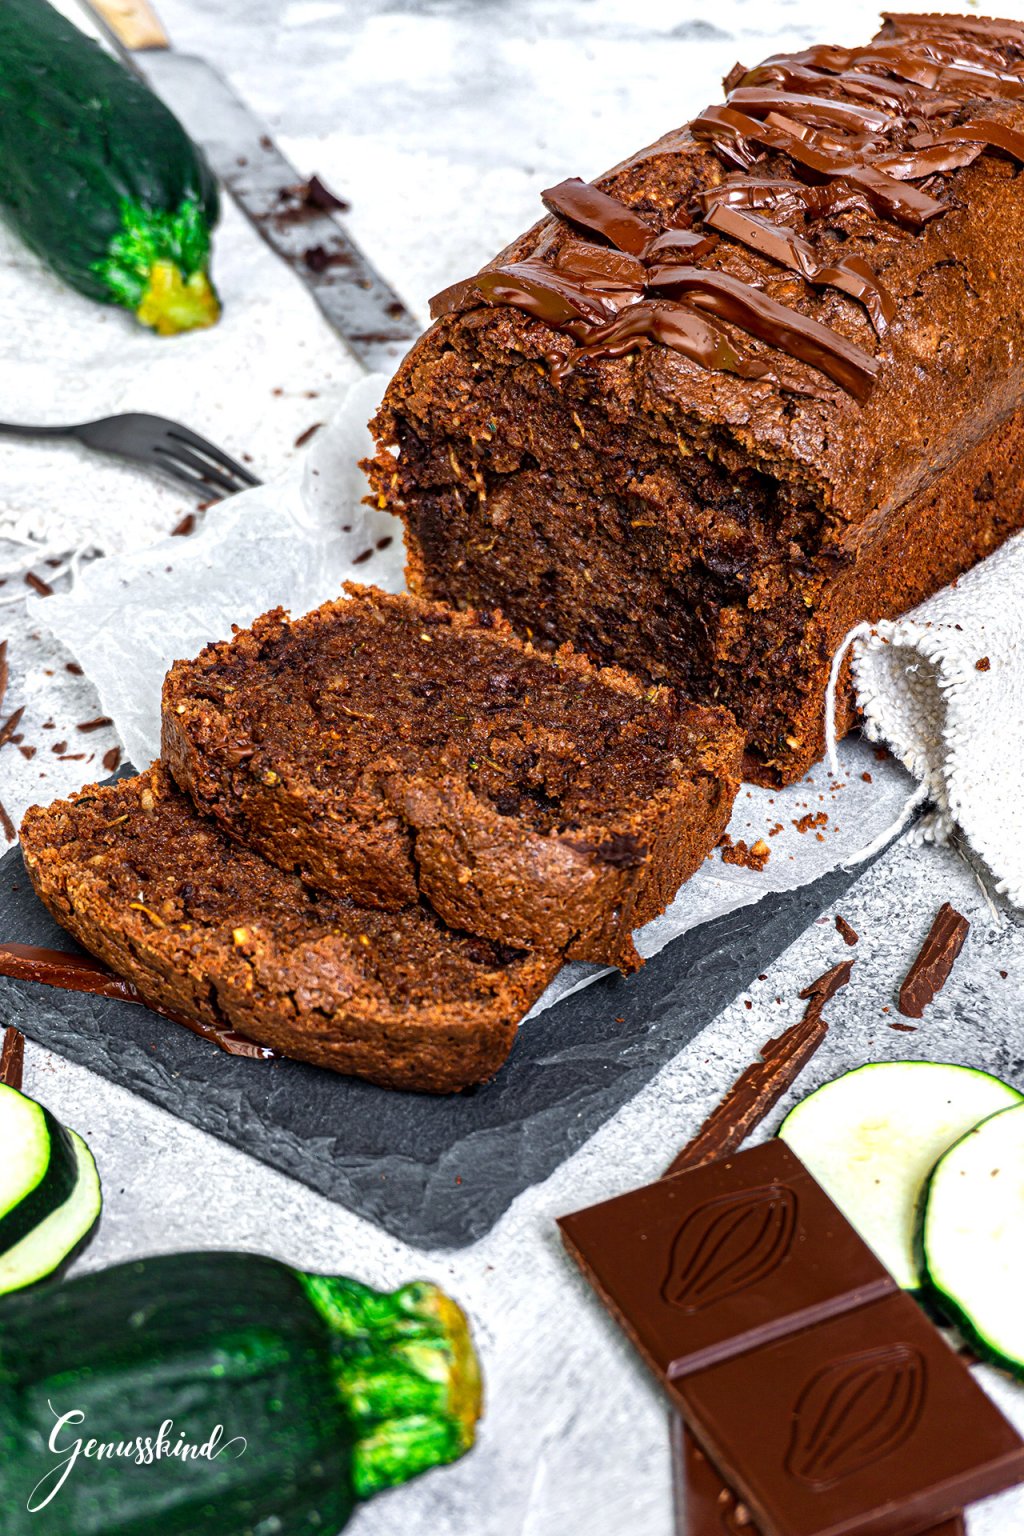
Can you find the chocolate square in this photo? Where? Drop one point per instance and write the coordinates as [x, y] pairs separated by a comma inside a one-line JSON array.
[[722, 1259], [706, 1506], [866, 1425]]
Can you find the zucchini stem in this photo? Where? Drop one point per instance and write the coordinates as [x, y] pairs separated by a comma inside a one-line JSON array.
[[407, 1374], [173, 303]]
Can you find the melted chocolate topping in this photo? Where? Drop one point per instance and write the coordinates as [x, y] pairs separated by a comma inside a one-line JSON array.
[[851, 274], [80, 973], [857, 127], [581, 203], [775, 323]]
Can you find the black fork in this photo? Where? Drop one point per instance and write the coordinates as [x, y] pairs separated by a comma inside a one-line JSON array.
[[160, 444]]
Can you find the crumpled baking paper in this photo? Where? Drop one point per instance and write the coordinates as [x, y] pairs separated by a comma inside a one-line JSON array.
[[292, 543]]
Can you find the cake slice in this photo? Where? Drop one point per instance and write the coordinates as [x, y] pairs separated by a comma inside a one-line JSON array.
[[209, 930], [387, 749]]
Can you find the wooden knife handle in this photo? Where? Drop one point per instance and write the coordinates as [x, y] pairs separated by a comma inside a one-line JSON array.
[[134, 22]]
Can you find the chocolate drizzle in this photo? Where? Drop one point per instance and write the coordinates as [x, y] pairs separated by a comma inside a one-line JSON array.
[[854, 128], [80, 973]]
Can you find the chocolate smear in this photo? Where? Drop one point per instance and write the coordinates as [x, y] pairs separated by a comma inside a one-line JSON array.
[[81, 973], [930, 971]]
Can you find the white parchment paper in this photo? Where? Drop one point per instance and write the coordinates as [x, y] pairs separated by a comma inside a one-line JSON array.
[[293, 543]]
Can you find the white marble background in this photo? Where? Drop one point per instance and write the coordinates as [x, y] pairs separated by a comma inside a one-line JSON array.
[[440, 120]]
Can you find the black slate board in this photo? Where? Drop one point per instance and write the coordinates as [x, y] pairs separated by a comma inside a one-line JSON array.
[[437, 1172]]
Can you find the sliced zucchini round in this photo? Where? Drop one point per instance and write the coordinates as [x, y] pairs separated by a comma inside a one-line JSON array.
[[38, 1169], [972, 1236], [51, 1245], [872, 1136]]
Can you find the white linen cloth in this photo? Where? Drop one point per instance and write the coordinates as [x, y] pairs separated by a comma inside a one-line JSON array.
[[943, 687]]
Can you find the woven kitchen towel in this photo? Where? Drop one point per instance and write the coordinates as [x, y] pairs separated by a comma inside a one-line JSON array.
[[944, 689]]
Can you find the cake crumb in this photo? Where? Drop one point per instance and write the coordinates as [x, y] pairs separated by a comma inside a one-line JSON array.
[[806, 823], [754, 857], [982, 664]]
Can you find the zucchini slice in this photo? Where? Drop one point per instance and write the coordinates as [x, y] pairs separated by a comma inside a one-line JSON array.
[[972, 1237], [50, 1246], [38, 1170], [49, 1191], [872, 1136]]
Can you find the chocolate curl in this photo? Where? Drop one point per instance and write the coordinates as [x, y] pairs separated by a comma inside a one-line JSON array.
[[756, 1091], [683, 330], [887, 196], [937, 158], [989, 135], [688, 243], [917, 24], [786, 197], [851, 275], [828, 74], [536, 289], [829, 113], [930, 971], [583, 204], [728, 298], [12, 1058], [612, 271]]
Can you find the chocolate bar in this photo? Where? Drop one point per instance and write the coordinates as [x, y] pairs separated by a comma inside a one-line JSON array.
[[705, 1506], [867, 1423], [818, 1390], [723, 1258]]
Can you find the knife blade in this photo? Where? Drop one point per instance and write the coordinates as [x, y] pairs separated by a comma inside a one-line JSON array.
[[367, 313]]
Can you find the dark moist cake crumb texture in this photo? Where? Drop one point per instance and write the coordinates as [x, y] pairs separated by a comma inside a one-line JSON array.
[[758, 383], [389, 749], [207, 929]]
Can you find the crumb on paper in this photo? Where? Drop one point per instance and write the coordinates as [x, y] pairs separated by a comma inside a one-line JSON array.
[[811, 820], [754, 857]]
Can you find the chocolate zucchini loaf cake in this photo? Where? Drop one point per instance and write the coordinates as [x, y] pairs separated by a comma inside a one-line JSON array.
[[387, 749], [761, 382], [209, 930]]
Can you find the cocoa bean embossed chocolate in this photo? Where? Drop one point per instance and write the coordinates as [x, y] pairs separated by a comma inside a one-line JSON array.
[[854, 1411], [730, 1245]]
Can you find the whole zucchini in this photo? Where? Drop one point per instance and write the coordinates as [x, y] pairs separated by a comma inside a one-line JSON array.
[[99, 177], [303, 1394]]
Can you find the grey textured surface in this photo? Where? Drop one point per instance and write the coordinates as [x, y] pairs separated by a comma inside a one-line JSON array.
[[436, 1172], [574, 1438]]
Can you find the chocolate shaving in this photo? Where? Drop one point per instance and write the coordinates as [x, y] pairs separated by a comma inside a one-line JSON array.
[[7, 826], [758, 1089], [4, 670], [111, 759], [583, 204], [930, 971], [12, 1058], [81, 973], [38, 584], [10, 725], [94, 725], [847, 933]]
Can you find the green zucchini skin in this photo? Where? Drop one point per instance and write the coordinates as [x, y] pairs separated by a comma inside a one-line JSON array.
[[222, 1339], [51, 1184], [97, 176], [335, 1389]]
